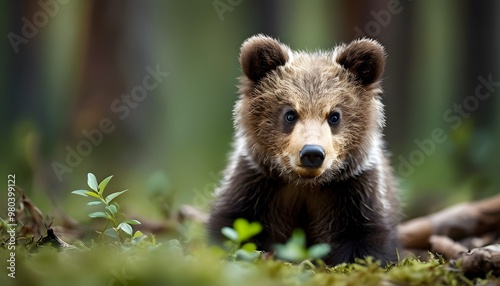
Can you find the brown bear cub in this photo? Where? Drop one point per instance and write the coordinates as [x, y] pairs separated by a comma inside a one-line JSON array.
[[308, 151]]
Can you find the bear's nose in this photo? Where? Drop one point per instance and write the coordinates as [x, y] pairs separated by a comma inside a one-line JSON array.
[[312, 156]]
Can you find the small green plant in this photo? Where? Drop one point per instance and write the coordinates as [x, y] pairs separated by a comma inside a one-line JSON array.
[[115, 228], [295, 248], [238, 236]]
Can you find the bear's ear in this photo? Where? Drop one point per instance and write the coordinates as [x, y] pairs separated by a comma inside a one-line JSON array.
[[261, 54], [364, 58]]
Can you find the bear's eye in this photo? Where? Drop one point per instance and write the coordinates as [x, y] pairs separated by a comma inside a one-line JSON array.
[[291, 116], [334, 118]]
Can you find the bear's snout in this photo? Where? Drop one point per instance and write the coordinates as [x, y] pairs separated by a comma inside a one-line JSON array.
[[312, 156]]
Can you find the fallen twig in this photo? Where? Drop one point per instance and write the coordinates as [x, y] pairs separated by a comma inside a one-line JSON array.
[[478, 262], [457, 222]]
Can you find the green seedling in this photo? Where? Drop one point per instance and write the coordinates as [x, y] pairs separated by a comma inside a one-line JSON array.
[[295, 248], [115, 228], [239, 235]]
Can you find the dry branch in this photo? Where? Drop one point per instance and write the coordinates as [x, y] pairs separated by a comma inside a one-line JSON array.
[[478, 262], [191, 213], [445, 246], [457, 222]]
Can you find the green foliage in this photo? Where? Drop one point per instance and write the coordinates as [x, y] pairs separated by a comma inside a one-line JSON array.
[[114, 228], [160, 261], [172, 263], [242, 231], [295, 248]]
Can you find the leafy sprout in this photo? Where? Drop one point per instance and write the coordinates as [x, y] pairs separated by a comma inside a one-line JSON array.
[[238, 236], [114, 227], [295, 248]]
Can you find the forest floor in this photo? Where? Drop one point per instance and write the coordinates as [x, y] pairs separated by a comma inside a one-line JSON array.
[[126, 252]]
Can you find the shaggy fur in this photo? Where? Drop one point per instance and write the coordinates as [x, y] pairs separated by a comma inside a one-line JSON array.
[[349, 201]]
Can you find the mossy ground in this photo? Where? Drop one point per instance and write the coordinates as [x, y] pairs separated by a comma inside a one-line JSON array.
[[181, 257], [170, 262]]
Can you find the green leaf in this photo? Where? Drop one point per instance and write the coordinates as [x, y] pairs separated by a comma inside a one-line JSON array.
[[80, 192], [249, 247], [92, 194], [94, 203], [114, 195], [92, 182], [230, 233], [245, 229], [246, 256], [174, 248], [125, 227], [99, 214], [132, 221], [138, 234], [291, 252], [111, 232], [319, 250], [295, 247], [103, 184], [298, 238], [138, 237], [112, 209]]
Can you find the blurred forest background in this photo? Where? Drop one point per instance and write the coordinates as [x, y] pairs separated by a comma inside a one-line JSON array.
[[68, 68]]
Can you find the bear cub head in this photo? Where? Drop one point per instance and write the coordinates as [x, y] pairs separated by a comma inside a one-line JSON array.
[[308, 117]]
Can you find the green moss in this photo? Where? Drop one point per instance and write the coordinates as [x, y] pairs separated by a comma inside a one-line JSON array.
[[167, 263], [148, 260]]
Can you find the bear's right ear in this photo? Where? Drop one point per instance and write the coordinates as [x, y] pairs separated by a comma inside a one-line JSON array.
[[261, 54]]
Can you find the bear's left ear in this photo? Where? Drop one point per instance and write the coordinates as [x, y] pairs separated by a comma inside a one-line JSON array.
[[261, 54], [365, 59]]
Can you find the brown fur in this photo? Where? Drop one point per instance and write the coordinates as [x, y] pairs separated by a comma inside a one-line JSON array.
[[349, 201]]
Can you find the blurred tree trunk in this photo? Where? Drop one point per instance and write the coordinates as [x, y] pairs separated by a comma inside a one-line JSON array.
[[481, 60], [101, 81]]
